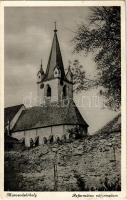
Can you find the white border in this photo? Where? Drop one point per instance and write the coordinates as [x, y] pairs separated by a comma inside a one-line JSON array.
[[65, 195]]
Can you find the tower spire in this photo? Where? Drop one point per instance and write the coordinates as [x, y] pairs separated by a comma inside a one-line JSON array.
[[55, 59]]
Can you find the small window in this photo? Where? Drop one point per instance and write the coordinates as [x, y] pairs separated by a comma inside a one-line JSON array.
[[65, 91], [57, 73], [48, 91]]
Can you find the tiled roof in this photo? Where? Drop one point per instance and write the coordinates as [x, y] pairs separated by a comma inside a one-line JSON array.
[[52, 115], [10, 112]]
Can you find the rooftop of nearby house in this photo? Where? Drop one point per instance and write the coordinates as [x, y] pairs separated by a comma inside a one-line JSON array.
[[10, 112]]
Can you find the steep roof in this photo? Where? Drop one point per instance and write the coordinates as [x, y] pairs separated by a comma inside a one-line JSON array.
[[55, 59], [10, 112], [41, 69], [51, 115], [69, 75]]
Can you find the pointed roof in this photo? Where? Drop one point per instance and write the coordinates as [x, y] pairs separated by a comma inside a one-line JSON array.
[[55, 59], [41, 69], [69, 74]]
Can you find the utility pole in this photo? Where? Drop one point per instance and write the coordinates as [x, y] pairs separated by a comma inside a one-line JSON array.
[[55, 172]]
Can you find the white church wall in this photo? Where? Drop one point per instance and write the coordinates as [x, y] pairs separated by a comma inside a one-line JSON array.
[[40, 95], [43, 132], [19, 135], [66, 127], [57, 131], [30, 134], [27, 140]]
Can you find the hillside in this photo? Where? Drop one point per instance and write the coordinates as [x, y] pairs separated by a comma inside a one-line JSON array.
[[92, 163], [112, 126]]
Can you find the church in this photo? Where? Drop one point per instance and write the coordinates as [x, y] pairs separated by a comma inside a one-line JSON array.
[[57, 112]]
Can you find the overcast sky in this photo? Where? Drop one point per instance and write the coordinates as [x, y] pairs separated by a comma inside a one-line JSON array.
[[28, 39]]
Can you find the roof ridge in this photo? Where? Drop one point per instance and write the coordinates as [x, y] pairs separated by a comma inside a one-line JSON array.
[[14, 106], [78, 113]]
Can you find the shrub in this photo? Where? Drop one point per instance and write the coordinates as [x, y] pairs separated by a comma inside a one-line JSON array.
[[80, 182], [45, 140], [50, 140], [75, 133]]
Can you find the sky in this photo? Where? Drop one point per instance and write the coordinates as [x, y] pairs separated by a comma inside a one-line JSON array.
[[28, 34]]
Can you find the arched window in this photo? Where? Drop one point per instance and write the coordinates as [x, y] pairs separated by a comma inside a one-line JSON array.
[[48, 91], [65, 91]]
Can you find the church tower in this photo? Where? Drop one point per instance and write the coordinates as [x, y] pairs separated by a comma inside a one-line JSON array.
[[54, 85]]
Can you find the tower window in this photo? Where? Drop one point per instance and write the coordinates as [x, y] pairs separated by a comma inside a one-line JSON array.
[[57, 72], [48, 91], [65, 91]]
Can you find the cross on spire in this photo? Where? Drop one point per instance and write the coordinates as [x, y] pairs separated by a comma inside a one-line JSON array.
[[41, 68], [55, 58], [55, 30], [41, 62]]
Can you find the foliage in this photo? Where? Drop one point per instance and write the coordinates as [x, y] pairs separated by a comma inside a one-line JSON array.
[[50, 139], [102, 36], [75, 133], [105, 184], [80, 81], [80, 182]]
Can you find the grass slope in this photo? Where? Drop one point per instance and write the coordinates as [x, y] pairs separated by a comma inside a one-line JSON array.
[[85, 164]]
